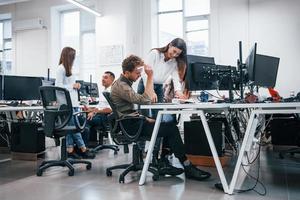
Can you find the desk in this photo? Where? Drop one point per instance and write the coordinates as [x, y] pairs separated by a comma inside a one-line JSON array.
[[257, 110], [8, 109], [20, 108], [197, 108]]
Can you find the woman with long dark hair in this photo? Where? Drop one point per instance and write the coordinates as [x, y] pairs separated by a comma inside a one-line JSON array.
[[65, 79], [166, 62]]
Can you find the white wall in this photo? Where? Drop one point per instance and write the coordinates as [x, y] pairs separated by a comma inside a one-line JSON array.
[[121, 24], [274, 24]]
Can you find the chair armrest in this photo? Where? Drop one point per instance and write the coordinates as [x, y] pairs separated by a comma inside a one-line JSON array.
[[132, 136], [80, 122]]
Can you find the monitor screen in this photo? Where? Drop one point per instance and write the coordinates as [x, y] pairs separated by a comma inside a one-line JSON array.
[[262, 69], [228, 77], [250, 63], [21, 88], [48, 82], [88, 89], [1, 87], [82, 92], [93, 90], [201, 76], [266, 68], [200, 59]]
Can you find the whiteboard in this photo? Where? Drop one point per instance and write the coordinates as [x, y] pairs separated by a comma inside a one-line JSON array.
[[110, 55]]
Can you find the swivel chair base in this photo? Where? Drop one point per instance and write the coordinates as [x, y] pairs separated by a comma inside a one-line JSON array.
[[136, 165], [291, 151], [113, 147], [63, 162]]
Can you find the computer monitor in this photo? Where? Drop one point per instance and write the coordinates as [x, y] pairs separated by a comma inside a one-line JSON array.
[[1, 87], [262, 69], [92, 90], [48, 81], [228, 78], [250, 63], [21, 88], [88, 89], [200, 59], [82, 92], [198, 75]]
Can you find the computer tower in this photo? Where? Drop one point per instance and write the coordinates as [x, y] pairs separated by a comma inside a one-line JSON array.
[[195, 139], [285, 131], [26, 137]]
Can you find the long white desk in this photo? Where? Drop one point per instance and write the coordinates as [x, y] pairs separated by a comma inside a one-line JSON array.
[[257, 110], [197, 108], [20, 108], [10, 109]]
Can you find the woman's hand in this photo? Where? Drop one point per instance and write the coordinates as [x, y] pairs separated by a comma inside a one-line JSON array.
[[76, 86], [153, 97], [180, 95], [150, 120]]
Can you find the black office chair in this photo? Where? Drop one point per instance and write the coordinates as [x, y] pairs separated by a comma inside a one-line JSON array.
[[123, 137], [58, 111], [103, 130]]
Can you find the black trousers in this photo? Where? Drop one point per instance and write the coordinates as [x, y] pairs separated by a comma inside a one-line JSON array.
[[167, 130]]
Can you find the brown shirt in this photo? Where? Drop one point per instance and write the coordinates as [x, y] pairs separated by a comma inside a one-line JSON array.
[[123, 96]]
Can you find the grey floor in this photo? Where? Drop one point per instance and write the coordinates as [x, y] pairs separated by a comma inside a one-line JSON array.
[[18, 181]]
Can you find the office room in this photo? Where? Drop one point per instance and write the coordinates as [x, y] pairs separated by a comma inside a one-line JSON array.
[[142, 99]]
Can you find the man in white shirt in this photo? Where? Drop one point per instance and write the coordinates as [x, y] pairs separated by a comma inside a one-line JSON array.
[[97, 117]]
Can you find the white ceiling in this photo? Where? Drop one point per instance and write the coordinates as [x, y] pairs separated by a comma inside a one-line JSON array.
[[5, 2]]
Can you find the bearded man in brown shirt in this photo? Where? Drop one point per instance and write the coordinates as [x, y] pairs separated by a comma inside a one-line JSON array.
[[124, 98]]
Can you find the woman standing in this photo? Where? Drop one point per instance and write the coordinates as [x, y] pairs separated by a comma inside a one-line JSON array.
[[167, 61], [65, 79]]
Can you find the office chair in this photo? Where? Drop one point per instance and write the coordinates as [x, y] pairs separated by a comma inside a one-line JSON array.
[[101, 131], [123, 137], [58, 111]]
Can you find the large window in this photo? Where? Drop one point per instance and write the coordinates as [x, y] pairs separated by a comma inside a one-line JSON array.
[[5, 46], [78, 32], [188, 19]]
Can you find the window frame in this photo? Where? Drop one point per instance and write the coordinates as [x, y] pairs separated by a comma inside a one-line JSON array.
[[3, 50], [185, 20], [79, 55]]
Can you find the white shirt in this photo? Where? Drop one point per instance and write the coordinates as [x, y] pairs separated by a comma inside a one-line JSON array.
[[102, 101], [67, 82], [162, 69]]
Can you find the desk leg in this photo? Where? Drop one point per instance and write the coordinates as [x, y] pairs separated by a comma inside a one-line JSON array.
[[253, 120], [214, 152], [150, 148]]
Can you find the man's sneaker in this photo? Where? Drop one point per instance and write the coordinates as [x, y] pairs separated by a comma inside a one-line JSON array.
[[192, 172], [74, 155], [165, 168], [87, 155]]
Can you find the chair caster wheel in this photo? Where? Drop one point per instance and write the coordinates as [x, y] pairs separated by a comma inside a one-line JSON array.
[[121, 180], [281, 156], [108, 173], [71, 172], [39, 173], [115, 152], [155, 177], [88, 166]]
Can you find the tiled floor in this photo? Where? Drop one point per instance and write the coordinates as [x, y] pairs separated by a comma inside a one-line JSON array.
[[18, 181]]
